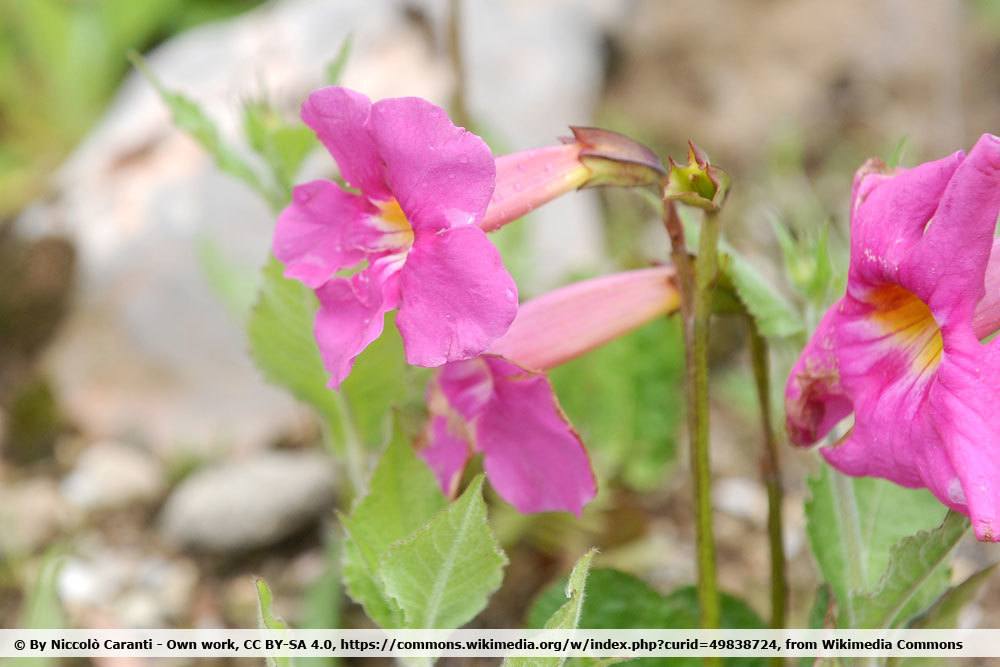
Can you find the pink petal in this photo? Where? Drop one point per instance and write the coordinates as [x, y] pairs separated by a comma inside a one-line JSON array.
[[568, 322], [446, 453], [350, 317], [456, 297], [532, 456], [948, 266], [319, 232], [888, 216], [986, 319], [441, 175], [339, 117], [814, 399], [963, 407]]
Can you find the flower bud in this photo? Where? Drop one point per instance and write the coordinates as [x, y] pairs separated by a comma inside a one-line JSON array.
[[698, 183]]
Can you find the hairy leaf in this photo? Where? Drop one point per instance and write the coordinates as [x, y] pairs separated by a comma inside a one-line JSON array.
[[566, 617], [853, 524], [913, 562], [443, 575]]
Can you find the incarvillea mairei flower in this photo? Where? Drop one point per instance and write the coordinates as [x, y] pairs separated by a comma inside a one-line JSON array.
[[903, 349]]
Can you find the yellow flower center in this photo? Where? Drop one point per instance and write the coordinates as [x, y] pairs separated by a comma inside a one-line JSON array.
[[911, 325], [396, 229]]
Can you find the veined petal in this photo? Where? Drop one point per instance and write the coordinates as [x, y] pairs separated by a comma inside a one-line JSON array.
[[986, 319], [568, 322], [320, 232], [442, 175], [339, 117], [456, 297]]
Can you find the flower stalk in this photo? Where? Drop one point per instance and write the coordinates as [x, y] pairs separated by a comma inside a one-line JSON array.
[[770, 468], [700, 185]]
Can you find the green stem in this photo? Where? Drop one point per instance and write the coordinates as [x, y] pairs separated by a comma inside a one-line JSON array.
[[697, 280], [458, 107], [344, 443], [770, 467]]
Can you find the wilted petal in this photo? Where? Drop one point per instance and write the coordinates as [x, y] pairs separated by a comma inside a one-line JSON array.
[[456, 297], [442, 175], [814, 399]]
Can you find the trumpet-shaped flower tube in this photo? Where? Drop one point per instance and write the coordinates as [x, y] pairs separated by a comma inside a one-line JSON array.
[[502, 404], [901, 349]]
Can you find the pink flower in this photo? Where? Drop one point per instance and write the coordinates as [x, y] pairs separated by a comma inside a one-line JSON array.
[[412, 230], [504, 406], [901, 349]]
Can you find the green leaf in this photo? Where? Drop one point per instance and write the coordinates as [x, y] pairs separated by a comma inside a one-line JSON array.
[[817, 617], [42, 608], [189, 117], [634, 434], [403, 496], [774, 315], [335, 69], [235, 285], [321, 606], [913, 562], [282, 343], [566, 617], [283, 146], [853, 524], [268, 620], [616, 600], [444, 574], [284, 348], [944, 612]]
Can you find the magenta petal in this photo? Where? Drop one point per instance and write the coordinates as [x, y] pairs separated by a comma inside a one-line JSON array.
[[456, 297], [442, 175], [350, 317], [446, 453], [948, 266], [339, 117], [320, 232], [532, 456]]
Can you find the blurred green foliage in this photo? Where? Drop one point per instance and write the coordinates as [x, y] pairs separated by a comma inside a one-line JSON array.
[[60, 61]]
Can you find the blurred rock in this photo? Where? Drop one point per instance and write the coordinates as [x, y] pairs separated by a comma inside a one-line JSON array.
[[249, 504], [31, 514], [740, 497], [110, 475], [127, 587]]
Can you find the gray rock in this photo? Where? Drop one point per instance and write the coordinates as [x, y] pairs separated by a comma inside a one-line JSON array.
[[110, 475], [31, 514], [249, 504]]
